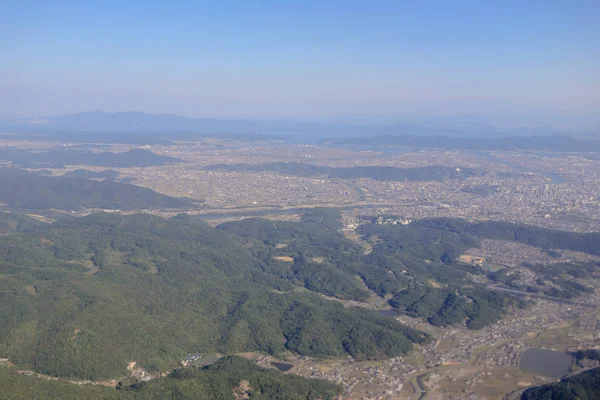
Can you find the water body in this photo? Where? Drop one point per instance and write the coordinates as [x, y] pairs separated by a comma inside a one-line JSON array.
[[554, 178], [389, 313], [283, 367], [553, 364], [206, 360]]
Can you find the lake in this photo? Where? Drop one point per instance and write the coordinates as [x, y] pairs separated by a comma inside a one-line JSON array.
[[549, 363]]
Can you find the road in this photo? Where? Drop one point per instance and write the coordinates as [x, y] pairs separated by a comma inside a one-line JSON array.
[[542, 296]]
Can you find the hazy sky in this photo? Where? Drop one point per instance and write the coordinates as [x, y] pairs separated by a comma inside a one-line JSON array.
[[300, 58]]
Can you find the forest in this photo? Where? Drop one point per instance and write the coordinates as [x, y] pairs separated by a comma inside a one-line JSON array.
[[84, 296], [25, 190], [583, 386], [404, 262], [218, 381], [447, 306], [439, 242], [590, 354], [535, 236], [60, 157]]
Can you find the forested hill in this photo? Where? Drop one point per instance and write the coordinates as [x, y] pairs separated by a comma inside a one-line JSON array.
[[14, 222], [522, 233], [82, 297], [428, 280], [429, 173], [583, 386], [23, 190], [403, 263], [59, 157], [221, 380]]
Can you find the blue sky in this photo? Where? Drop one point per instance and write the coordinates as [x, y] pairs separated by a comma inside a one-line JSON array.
[[300, 58]]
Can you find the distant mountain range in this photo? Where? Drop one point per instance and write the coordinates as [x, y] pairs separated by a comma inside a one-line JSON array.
[[143, 128], [100, 121], [130, 127]]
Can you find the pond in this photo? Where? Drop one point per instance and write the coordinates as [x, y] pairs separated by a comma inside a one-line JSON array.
[[282, 366], [389, 313], [549, 363]]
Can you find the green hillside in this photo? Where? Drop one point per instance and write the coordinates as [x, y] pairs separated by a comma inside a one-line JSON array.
[[83, 297], [403, 263], [22, 190], [217, 381], [583, 386]]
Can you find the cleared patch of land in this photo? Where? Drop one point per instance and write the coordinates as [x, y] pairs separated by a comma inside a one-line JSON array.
[[283, 258], [435, 284], [467, 258]]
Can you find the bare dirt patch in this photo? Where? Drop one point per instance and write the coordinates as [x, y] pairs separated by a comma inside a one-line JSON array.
[[356, 238], [284, 258], [46, 242], [41, 218], [435, 284], [471, 259], [243, 390]]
